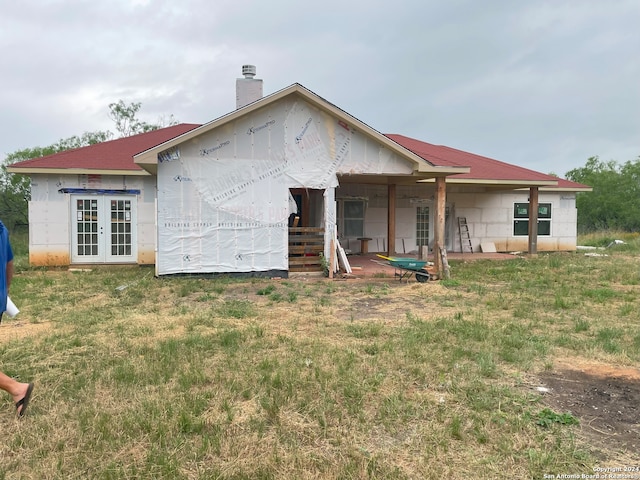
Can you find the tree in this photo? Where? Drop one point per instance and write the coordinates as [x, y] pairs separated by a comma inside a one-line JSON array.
[[15, 190], [614, 203], [126, 122]]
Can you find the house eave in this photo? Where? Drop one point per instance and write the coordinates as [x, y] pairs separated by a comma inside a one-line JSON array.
[[436, 171], [566, 189], [74, 171], [514, 184], [384, 179]]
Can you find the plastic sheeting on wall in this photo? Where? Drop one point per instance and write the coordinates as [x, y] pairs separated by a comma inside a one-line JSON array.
[[224, 201]]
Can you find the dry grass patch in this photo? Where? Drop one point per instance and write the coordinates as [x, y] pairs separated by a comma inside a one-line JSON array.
[[188, 377]]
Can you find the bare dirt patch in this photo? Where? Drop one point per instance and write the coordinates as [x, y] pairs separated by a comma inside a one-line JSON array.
[[13, 330], [606, 400]]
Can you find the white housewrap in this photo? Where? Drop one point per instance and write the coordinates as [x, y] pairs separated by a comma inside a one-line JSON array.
[[223, 198]]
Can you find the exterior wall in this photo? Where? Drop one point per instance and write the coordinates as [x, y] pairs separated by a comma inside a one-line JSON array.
[[489, 217], [50, 222], [49, 237], [223, 198], [147, 233]]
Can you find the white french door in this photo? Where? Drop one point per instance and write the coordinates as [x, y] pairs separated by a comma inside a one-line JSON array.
[[104, 229], [425, 227]]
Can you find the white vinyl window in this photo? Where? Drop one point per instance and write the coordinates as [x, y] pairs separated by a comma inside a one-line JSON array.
[[351, 218]]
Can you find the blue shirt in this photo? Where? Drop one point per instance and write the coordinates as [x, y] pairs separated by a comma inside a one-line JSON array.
[[6, 255]]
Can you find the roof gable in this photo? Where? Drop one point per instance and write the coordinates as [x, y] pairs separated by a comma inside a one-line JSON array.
[[149, 158]]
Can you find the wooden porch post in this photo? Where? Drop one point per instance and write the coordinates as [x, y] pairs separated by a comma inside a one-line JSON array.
[[391, 219], [439, 220], [533, 220]]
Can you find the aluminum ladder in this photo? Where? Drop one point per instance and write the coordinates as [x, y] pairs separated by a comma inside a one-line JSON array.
[[465, 239]]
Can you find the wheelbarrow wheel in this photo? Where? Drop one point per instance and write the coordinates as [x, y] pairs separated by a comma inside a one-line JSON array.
[[422, 277]]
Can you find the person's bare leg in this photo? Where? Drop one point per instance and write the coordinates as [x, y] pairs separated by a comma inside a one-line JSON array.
[[14, 388]]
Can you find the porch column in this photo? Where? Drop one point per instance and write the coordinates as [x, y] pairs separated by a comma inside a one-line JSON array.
[[391, 219], [533, 220], [330, 228], [438, 230]]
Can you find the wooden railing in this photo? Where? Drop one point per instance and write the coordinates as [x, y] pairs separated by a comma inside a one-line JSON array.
[[305, 246]]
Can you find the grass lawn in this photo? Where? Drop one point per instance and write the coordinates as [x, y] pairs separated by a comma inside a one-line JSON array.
[[194, 378]]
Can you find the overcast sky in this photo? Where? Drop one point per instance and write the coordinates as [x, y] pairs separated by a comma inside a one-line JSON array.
[[540, 84]]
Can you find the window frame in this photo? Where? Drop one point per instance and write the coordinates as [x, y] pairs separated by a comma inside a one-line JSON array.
[[345, 224], [521, 219]]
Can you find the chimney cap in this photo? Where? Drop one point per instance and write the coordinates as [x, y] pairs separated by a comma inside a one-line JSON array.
[[249, 71]]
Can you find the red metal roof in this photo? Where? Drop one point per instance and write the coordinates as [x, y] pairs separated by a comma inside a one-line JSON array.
[[118, 155], [563, 183], [482, 168], [112, 155]]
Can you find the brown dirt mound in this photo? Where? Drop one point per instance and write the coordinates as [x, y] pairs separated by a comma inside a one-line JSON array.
[[606, 400]]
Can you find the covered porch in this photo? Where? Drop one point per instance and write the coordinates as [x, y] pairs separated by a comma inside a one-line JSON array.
[[388, 207]]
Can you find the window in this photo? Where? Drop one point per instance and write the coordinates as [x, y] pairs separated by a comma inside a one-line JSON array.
[[521, 219], [351, 218]]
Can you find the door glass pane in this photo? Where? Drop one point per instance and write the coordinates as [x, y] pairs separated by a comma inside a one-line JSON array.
[[120, 222], [422, 226], [87, 223]]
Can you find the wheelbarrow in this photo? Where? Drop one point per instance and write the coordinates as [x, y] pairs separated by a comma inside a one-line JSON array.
[[406, 267]]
